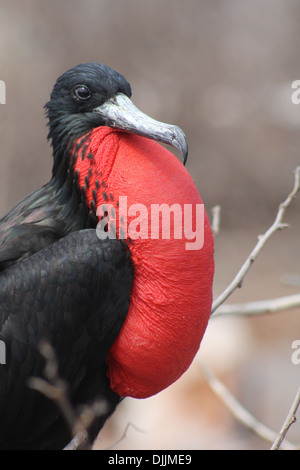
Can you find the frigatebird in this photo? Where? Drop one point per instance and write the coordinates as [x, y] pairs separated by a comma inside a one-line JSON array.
[[123, 307]]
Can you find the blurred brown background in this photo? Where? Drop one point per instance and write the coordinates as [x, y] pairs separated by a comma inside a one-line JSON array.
[[222, 71]]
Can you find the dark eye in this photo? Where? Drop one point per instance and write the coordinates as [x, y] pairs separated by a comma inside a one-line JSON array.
[[82, 93]]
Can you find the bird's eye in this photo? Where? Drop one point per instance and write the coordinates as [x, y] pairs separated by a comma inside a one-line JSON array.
[[82, 93]]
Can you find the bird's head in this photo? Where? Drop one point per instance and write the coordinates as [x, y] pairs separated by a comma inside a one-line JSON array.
[[91, 95]]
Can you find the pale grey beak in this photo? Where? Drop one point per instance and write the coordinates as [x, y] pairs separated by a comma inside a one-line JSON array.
[[120, 113]]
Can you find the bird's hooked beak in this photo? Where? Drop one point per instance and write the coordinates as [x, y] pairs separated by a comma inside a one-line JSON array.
[[120, 113]]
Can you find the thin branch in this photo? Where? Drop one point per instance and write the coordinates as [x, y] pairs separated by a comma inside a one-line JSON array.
[[240, 413], [259, 307], [290, 419], [56, 389], [124, 435], [81, 439], [262, 240]]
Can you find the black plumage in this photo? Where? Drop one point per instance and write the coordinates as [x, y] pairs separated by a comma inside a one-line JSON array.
[[80, 288], [58, 281]]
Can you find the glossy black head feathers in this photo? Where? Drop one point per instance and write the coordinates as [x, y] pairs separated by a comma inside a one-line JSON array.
[[75, 95]]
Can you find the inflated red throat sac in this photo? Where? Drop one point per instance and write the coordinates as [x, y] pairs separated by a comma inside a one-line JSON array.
[[172, 291]]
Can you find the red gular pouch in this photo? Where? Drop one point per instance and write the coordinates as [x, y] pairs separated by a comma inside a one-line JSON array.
[[145, 196]]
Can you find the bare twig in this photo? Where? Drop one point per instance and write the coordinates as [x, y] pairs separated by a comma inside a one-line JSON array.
[[256, 308], [124, 435], [88, 414], [240, 413], [259, 307], [79, 440], [290, 419], [262, 240], [56, 389]]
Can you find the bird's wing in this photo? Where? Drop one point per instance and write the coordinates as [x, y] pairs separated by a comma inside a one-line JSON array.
[[30, 226], [75, 294], [25, 240]]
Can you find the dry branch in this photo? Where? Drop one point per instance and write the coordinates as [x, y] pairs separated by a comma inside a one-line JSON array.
[[240, 413], [256, 308], [290, 419], [56, 389], [260, 307], [53, 387], [262, 240]]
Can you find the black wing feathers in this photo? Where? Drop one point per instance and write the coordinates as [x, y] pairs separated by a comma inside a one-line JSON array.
[[74, 293]]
